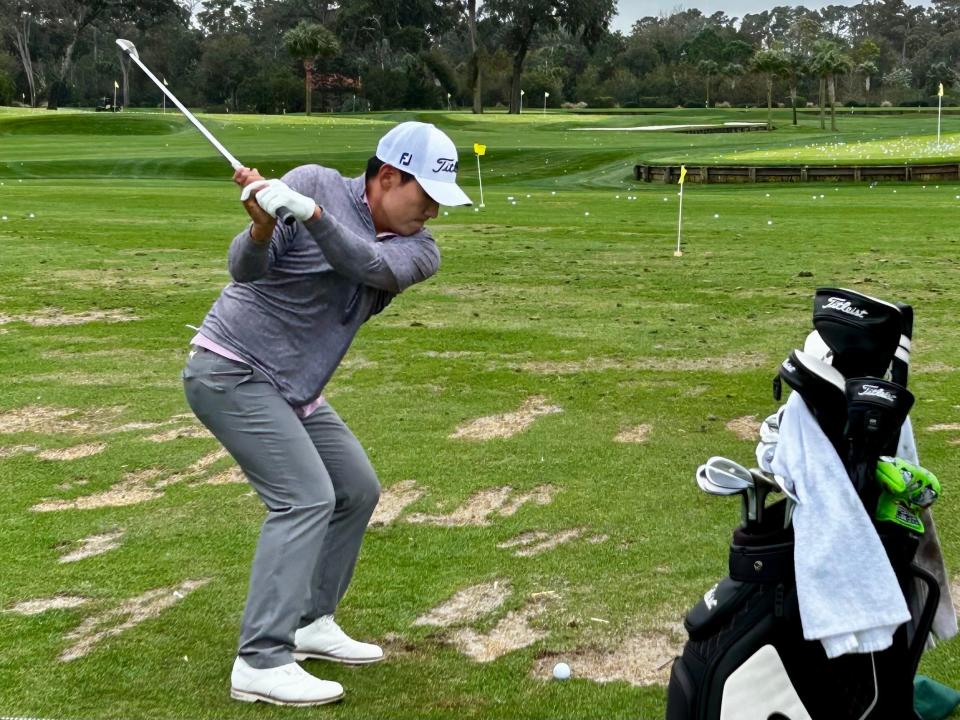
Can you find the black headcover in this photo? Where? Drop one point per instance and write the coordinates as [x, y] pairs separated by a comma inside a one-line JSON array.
[[822, 389], [876, 410], [863, 332]]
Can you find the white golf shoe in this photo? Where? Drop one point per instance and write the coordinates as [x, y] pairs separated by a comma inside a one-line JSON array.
[[324, 640], [285, 685]]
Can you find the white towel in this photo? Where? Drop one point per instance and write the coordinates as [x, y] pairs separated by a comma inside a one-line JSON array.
[[848, 593], [929, 557]]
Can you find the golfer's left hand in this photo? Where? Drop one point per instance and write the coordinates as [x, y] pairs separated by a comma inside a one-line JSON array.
[[278, 194]]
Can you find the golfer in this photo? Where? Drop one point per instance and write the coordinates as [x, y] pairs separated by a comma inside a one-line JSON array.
[[258, 366]]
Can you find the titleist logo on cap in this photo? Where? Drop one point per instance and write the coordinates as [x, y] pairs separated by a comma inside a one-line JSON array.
[[844, 306], [877, 391], [445, 164]]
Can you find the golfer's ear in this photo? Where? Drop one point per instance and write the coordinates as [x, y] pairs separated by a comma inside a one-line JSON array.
[[388, 176]]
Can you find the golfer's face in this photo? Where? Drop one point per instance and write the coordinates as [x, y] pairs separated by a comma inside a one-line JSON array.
[[408, 207]]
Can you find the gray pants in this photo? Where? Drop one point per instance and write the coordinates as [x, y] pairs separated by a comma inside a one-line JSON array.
[[317, 484]]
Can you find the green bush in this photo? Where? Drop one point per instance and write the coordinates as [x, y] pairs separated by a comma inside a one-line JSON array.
[[602, 101]]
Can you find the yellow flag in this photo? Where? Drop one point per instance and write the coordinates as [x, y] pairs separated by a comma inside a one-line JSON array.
[[116, 85], [940, 90], [479, 149], [683, 173]]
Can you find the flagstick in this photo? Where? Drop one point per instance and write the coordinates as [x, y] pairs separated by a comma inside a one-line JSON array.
[[678, 252], [939, 106], [480, 178]]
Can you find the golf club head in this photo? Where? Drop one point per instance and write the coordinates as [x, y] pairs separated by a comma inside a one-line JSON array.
[[704, 483], [727, 473], [128, 47]]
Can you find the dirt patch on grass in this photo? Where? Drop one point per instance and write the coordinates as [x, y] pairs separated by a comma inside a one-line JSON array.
[[14, 450], [468, 605], [53, 420], [508, 424], [478, 509], [233, 476], [745, 428], [40, 605], [944, 427], [636, 434], [134, 488], [513, 632], [394, 500], [643, 659], [193, 431], [726, 364], [534, 543], [94, 545], [73, 453], [47, 317], [127, 615]]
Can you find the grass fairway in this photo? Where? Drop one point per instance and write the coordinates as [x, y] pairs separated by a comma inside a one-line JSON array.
[[566, 309]]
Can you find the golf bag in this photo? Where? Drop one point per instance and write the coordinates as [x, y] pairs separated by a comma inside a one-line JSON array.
[[746, 658]]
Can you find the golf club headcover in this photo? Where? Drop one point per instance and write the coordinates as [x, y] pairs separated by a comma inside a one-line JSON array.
[[863, 332], [822, 389], [891, 510], [911, 484], [876, 410]]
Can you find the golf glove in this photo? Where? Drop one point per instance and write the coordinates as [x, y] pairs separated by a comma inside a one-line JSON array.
[[276, 194]]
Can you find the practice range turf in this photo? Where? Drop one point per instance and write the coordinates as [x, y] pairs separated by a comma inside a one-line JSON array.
[[609, 368]]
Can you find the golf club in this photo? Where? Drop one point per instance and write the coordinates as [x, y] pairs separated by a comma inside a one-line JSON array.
[[711, 488], [130, 49], [734, 477]]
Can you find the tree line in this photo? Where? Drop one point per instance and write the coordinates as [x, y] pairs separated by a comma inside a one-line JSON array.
[[274, 56]]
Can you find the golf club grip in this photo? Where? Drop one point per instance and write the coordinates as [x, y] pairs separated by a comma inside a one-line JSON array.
[[285, 216]]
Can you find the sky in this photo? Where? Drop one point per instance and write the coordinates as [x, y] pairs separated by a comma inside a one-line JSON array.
[[629, 11]]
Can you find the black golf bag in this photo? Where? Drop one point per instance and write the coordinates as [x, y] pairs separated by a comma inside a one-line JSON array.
[[746, 658]]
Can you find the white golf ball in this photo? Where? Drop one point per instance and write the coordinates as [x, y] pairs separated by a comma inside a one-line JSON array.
[[31, 215], [3, 218], [514, 202], [769, 222], [561, 671], [445, 213], [553, 192], [476, 209], [716, 216]]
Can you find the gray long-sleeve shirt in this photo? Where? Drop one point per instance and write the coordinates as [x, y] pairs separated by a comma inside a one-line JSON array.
[[296, 303]]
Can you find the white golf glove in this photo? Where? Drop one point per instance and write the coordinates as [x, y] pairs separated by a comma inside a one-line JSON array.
[[274, 194]]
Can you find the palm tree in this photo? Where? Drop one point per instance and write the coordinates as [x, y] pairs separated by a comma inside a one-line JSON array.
[[709, 68], [828, 62], [310, 42], [868, 69], [794, 71], [771, 63]]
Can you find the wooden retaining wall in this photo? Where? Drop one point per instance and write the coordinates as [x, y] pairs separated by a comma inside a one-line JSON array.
[[797, 173]]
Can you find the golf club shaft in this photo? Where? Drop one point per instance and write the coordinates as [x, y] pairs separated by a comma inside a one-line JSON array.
[[282, 213]]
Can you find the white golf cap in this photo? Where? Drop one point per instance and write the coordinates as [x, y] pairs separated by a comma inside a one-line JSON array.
[[425, 152]]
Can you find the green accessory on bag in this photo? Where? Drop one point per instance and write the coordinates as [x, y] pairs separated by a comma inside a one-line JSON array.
[[889, 509], [908, 483]]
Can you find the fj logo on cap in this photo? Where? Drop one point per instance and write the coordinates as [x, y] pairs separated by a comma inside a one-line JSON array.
[[446, 165], [406, 159]]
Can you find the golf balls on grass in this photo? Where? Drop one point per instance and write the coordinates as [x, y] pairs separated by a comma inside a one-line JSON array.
[[561, 671]]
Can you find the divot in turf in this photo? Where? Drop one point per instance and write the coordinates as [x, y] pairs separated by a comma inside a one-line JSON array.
[[508, 424], [478, 509], [127, 615], [467, 605]]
